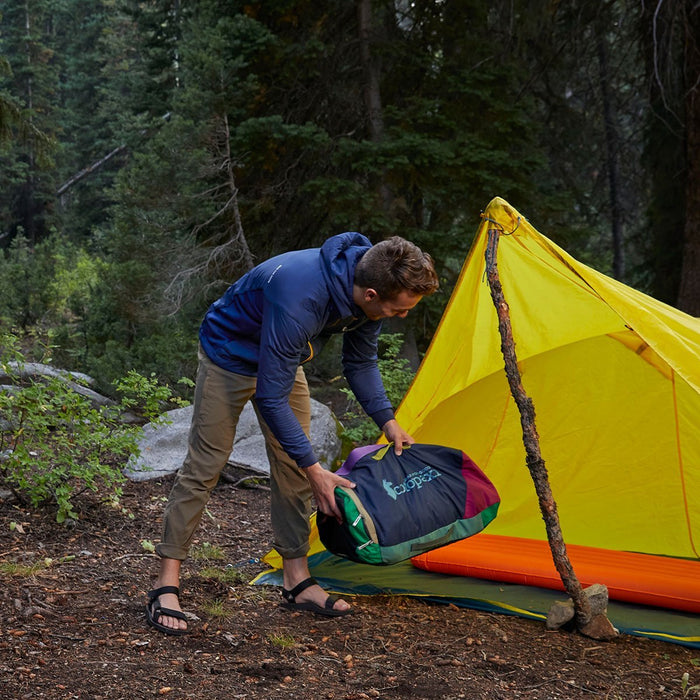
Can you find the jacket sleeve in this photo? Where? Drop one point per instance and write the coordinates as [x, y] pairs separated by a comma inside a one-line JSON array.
[[362, 372], [282, 343]]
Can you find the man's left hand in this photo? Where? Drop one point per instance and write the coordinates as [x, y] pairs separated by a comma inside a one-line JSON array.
[[396, 434]]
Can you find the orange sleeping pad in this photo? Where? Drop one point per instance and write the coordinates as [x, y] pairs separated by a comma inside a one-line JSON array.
[[643, 579]]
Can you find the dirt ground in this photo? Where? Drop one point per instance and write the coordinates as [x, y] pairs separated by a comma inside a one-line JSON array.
[[74, 626]]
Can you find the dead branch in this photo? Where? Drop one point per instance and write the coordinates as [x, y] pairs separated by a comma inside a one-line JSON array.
[[535, 462], [234, 249], [77, 177], [89, 169]]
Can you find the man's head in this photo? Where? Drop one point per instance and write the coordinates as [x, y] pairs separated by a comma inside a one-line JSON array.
[[392, 277]]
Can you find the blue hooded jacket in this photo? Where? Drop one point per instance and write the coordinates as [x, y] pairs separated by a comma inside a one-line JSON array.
[[279, 314]]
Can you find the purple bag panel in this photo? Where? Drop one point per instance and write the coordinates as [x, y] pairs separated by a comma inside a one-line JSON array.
[[481, 492]]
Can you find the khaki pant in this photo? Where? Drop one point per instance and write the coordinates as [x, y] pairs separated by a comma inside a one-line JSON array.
[[219, 399]]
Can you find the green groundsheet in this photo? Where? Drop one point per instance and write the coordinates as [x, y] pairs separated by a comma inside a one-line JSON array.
[[342, 576]]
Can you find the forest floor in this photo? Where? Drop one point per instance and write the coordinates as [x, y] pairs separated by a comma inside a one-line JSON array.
[[72, 624]]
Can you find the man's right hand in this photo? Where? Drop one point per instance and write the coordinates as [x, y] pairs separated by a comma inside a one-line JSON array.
[[323, 483]]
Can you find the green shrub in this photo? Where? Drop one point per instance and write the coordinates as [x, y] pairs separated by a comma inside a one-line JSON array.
[[24, 294], [55, 443], [164, 348]]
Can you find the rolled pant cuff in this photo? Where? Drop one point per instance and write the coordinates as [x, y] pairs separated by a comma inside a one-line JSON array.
[[292, 553], [171, 551]]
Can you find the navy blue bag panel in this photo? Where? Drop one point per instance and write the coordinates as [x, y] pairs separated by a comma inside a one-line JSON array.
[[407, 504], [423, 488]]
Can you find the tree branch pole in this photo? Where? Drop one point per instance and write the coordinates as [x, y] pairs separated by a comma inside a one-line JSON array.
[[535, 462]]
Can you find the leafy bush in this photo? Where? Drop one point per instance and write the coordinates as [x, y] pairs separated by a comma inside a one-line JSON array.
[[71, 301], [397, 377], [164, 349], [56, 443]]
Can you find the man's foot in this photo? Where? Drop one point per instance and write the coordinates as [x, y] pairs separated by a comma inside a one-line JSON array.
[[163, 611], [309, 596]]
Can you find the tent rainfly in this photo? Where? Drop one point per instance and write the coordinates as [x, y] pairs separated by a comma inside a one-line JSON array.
[[614, 376]]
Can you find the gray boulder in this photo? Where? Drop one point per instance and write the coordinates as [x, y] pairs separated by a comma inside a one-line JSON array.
[[163, 448]]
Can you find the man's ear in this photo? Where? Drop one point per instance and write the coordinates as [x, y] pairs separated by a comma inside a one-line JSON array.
[[370, 294]]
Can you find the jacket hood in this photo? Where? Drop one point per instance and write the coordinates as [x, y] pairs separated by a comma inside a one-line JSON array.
[[339, 257]]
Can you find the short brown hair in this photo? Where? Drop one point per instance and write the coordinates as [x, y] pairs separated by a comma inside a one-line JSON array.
[[395, 265]]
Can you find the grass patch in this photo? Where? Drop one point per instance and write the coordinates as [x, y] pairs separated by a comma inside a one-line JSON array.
[[12, 568], [283, 641], [207, 551], [218, 608], [228, 576]]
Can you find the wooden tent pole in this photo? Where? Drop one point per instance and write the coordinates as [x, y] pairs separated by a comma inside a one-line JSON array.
[[535, 462]]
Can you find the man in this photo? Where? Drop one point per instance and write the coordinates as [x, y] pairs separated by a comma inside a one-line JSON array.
[[253, 341]]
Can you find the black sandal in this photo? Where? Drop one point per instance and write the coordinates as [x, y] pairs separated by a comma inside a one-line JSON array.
[[328, 610], [154, 611]]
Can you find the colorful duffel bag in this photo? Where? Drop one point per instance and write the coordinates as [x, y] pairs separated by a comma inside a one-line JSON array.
[[407, 504]]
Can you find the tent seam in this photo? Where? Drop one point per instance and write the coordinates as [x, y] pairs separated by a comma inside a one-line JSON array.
[[681, 465], [498, 430]]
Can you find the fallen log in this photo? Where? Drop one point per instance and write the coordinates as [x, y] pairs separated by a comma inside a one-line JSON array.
[[18, 372]]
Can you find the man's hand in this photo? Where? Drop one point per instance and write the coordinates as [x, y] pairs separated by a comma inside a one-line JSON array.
[[323, 483], [396, 434]]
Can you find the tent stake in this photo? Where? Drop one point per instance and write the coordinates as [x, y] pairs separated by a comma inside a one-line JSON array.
[[588, 623]]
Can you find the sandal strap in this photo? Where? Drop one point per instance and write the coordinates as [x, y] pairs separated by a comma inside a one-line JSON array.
[[156, 593], [159, 611], [291, 595]]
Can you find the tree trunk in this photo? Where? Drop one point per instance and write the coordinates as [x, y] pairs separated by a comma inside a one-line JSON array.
[[689, 293], [664, 156], [74, 179], [27, 203], [612, 150], [372, 91], [238, 234]]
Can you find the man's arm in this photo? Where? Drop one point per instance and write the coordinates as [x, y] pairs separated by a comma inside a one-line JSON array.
[[281, 343], [361, 371]]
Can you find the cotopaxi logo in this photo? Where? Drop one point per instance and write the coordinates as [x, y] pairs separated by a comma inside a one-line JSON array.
[[412, 481]]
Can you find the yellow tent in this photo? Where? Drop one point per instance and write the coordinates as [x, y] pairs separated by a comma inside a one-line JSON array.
[[614, 376], [615, 380]]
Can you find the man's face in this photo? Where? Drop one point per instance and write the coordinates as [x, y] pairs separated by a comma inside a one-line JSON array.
[[376, 308]]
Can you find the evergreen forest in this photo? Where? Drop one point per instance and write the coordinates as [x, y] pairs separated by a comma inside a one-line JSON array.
[[153, 150]]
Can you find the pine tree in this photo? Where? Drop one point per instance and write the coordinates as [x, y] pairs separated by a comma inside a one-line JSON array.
[[89, 132], [26, 178]]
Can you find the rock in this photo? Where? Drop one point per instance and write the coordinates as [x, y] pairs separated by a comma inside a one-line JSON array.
[[597, 595], [599, 628], [163, 448], [563, 612], [7, 496]]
